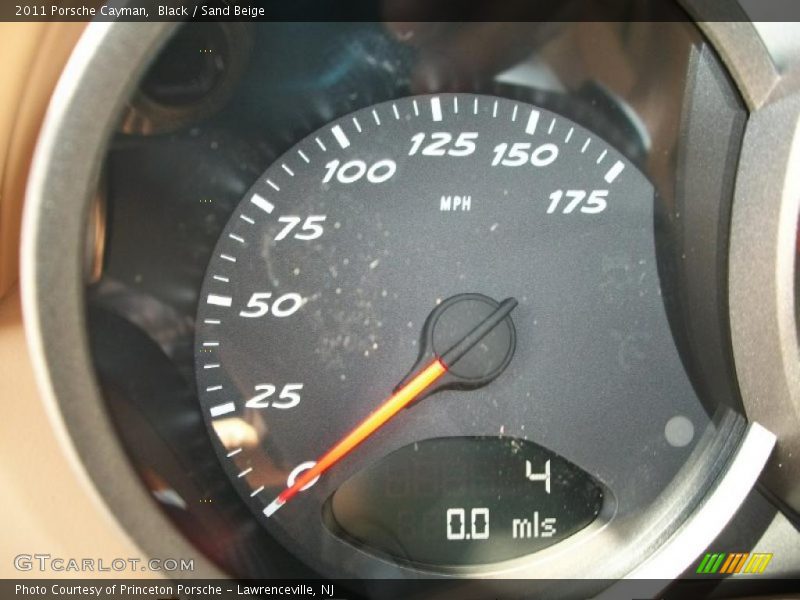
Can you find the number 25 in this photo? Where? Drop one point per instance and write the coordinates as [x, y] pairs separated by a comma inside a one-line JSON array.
[[289, 394]]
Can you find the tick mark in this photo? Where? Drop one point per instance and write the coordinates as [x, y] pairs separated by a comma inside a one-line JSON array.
[[338, 133], [222, 409], [219, 300], [614, 171], [262, 203], [436, 109]]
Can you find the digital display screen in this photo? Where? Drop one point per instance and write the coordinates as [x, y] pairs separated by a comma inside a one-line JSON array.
[[465, 501]]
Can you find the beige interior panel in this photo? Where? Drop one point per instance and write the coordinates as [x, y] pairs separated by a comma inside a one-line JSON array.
[[48, 508], [34, 55]]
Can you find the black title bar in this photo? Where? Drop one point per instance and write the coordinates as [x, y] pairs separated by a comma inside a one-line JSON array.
[[398, 10]]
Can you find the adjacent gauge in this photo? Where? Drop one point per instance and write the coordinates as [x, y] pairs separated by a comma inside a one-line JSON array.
[[432, 338]]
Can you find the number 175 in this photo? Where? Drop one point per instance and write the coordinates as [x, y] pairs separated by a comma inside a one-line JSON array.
[[577, 199]]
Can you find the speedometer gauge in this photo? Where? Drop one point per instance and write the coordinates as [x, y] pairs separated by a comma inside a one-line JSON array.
[[432, 335]]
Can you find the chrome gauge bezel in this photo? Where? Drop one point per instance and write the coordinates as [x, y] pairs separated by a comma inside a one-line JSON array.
[[85, 109]]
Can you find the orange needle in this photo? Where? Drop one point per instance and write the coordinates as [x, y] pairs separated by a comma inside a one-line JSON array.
[[405, 395], [391, 406]]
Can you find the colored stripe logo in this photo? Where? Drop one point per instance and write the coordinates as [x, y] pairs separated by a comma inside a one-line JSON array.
[[732, 563]]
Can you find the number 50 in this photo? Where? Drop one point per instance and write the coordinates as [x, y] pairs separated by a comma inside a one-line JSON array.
[[284, 305]]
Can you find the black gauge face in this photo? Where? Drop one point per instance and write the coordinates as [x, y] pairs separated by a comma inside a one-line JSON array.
[[450, 267]]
